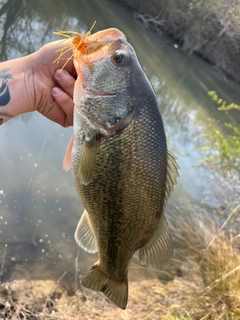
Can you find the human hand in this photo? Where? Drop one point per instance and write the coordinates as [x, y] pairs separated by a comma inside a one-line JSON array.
[[53, 88]]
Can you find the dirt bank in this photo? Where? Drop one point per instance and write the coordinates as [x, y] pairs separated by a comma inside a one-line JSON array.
[[208, 28]]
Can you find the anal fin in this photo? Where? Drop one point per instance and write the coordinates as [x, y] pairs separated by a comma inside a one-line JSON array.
[[84, 234], [159, 248]]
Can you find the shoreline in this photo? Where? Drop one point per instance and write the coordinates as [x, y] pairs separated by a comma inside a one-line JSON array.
[[212, 31]]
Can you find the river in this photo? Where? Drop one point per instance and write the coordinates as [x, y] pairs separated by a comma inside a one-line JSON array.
[[39, 206]]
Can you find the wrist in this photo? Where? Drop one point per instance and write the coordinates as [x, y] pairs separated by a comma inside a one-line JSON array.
[[18, 97], [28, 84], [43, 81]]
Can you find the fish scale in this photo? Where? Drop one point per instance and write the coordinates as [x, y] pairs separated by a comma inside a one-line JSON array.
[[125, 189]]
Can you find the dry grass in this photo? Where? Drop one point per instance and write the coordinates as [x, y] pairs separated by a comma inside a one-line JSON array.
[[213, 256], [205, 273]]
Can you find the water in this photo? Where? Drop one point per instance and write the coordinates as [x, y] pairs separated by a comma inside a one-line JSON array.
[[39, 207]]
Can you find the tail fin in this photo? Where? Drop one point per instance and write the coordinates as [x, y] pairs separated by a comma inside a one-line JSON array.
[[116, 291]]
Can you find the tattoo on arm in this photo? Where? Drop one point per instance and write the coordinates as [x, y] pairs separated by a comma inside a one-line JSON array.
[[4, 90], [4, 93], [4, 116]]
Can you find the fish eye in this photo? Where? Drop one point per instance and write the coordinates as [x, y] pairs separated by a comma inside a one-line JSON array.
[[119, 57]]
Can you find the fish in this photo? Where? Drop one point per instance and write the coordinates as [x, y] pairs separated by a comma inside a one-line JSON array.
[[122, 168]]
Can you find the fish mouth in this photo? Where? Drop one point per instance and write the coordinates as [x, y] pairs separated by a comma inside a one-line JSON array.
[[83, 90], [90, 91], [96, 47], [99, 42]]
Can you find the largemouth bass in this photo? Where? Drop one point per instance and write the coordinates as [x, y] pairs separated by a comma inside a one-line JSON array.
[[123, 171]]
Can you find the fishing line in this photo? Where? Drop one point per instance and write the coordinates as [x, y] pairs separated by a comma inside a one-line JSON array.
[[33, 173]]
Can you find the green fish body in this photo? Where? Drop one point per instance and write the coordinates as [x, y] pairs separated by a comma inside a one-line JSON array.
[[123, 171]]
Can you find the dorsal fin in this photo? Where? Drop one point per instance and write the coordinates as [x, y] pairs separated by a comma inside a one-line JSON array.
[[159, 248], [172, 174]]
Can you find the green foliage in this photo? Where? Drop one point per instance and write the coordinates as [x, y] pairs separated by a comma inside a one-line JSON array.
[[223, 104], [223, 151]]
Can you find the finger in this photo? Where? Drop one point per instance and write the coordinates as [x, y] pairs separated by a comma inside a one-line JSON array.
[[65, 80], [65, 102]]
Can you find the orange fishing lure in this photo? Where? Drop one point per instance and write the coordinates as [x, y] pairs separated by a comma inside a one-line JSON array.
[[80, 42]]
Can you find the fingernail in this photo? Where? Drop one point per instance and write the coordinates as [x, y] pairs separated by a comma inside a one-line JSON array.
[[60, 73], [56, 91]]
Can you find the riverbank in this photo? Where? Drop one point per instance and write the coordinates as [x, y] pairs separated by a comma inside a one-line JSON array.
[[200, 282], [210, 29]]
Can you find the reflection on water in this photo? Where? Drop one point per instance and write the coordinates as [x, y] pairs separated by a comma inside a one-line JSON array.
[[39, 207]]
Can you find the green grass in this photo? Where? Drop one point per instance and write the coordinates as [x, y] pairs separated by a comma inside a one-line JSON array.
[[223, 150]]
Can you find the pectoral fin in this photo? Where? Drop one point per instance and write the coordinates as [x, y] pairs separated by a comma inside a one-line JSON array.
[[84, 234], [67, 161], [88, 160], [159, 248]]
